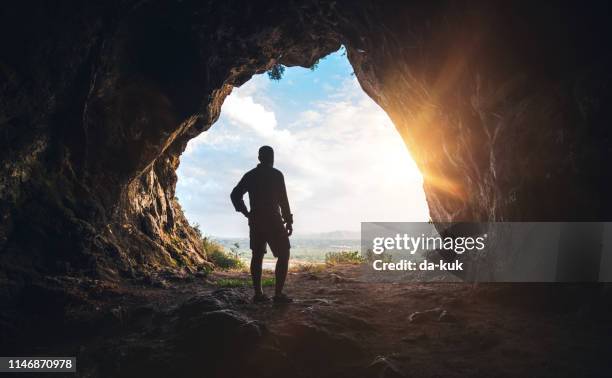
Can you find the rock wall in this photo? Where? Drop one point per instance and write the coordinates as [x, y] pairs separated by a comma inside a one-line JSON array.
[[503, 107]]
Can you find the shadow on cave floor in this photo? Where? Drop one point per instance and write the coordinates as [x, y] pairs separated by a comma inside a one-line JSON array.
[[338, 327]]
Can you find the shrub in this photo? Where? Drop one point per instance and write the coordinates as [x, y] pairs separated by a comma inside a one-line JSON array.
[[308, 268], [371, 256], [225, 260], [219, 257], [343, 257]]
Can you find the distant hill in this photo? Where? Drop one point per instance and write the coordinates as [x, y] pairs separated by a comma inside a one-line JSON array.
[[336, 235]]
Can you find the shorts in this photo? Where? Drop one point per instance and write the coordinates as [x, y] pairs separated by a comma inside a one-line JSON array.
[[276, 238]]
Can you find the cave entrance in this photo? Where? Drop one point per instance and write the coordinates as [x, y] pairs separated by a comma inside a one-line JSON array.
[[343, 160]]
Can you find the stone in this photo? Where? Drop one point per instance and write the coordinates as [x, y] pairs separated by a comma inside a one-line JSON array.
[[447, 317], [426, 315], [336, 278], [198, 305], [384, 367]]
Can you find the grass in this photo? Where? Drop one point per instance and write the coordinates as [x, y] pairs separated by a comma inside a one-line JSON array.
[[344, 257], [243, 282], [308, 268]]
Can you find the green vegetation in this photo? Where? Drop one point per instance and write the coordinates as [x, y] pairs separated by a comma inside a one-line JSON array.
[[315, 65], [276, 72], [225, 260], [220, 257], [308, 268], [243, 282], [371, 256], [344, 257]]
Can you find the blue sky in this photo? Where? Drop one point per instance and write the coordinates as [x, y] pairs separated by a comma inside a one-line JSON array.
[[343, 161]]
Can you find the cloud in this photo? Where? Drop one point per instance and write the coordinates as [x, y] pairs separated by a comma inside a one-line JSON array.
[[244, 111], [306, 118]]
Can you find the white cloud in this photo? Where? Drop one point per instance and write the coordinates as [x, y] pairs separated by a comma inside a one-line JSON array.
[[244, 111], [306, 118]]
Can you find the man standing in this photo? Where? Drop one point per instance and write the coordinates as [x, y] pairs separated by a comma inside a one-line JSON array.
[[270, 220]]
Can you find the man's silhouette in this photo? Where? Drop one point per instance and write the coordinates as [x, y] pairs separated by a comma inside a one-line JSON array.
[[270, 220]]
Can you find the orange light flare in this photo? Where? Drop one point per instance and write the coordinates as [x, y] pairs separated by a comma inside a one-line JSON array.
[[425, 110], [445, 185]]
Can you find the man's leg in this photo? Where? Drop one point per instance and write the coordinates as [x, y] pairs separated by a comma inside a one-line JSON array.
[[280, 246], [256, 267], [258, 249], [282, 266]]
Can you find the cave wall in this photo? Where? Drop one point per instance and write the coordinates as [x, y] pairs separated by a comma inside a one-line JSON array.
[[503, 107]]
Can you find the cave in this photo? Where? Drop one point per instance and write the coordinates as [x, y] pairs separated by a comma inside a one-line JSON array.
[[501, 104]]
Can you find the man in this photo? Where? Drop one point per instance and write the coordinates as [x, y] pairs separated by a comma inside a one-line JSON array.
[[268, 225]]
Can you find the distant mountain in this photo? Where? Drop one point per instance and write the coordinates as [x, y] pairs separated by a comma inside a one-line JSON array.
[[337, 235]]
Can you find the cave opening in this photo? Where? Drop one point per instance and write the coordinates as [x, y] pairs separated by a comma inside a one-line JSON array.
[[343, 160], [500, 103]]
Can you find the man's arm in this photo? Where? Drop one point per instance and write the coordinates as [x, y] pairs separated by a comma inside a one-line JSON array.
[[237, 196], [284, 205]]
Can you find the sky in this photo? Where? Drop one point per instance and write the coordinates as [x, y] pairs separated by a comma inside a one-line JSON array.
[[342, 158]]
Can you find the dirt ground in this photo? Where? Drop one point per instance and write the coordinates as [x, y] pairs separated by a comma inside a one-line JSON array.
[[456, 329], [338, 326]]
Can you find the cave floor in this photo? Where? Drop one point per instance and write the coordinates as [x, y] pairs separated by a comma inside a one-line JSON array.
[[338, 326]]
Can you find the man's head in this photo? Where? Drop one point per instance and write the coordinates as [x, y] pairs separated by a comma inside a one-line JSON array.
[[266, 155]]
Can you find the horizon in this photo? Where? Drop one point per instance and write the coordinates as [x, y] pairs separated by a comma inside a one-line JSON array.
[[296, 235]]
